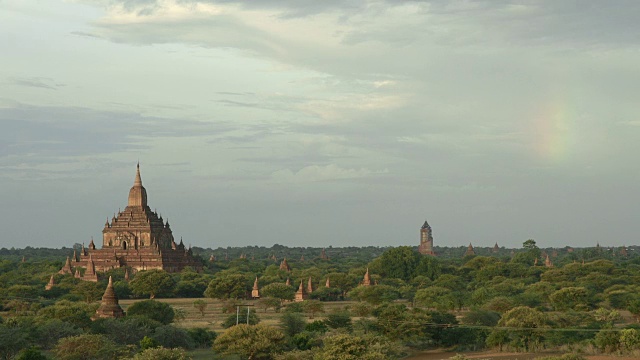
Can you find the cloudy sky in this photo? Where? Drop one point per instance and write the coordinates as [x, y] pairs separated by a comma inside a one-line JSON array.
[[322, 123]]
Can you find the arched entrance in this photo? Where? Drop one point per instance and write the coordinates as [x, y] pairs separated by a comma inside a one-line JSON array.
[[124, 245]]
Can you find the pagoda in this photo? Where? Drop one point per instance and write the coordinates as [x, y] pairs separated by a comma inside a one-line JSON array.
[[138, 238], [109, 308], [300, 295]]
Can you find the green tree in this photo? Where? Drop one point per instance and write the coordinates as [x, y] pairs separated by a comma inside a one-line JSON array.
[[279, 291], [88, 346], [12, 340], [31, 353], [569, 298], [399, 263], [312, 307], [228, 286], [435, 297], [252, 341], [161, 353], [152, 283], [89, 290], [201, 305], [152, 309], [374, 294], [269, 302], [531, 321], [292, 323], [338, 319], [172, 337], [352, 347]]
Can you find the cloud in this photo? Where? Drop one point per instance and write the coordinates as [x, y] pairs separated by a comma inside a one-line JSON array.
[[316, 173], [36, 82]]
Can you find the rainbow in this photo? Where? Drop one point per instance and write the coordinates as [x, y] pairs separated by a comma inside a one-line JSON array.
[[554, 133]]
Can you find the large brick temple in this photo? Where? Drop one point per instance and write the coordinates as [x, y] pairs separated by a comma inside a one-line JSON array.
[[137, 238]]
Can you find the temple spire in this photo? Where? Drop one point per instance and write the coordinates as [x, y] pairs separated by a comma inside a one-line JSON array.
[[138, 180]]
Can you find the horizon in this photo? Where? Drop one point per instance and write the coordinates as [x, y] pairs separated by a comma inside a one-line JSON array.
[[322, 123]]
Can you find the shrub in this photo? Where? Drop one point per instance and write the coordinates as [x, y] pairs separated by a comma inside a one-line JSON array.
[[152, 309]]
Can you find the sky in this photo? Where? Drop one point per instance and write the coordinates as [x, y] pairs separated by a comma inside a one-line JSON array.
[[322, 123]]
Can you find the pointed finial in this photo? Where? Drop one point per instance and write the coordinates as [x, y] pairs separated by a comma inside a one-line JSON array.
[[138, 180], [110, 282]]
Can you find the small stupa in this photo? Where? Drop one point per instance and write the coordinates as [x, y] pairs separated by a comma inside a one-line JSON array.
[[301, 295], [90, 273], [51, 283], [255, 292], [470, 250], [309, 286], [109, 307], [285, 266], [66, 269], [366, 280]]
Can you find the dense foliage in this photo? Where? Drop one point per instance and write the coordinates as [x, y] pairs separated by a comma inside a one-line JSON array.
[[585, 299]]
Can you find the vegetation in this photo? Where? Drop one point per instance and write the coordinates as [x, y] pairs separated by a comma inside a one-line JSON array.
[[587, 300]]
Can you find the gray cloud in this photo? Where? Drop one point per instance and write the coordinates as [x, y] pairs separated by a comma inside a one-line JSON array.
[[36, 82]]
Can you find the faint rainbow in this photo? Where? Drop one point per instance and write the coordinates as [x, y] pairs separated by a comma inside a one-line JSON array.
[[554, 131]]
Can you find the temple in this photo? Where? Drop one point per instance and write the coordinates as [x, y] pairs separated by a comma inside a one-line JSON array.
[[137, 238], [426, 240]]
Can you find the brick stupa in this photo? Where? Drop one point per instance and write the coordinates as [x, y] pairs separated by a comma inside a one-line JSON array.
[[109, 308]]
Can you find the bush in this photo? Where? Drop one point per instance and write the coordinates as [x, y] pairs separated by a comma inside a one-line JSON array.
[[171, 337], [152, 309], [31, 353], [161, 354], [95, 347], [202, 337], [338, 319]]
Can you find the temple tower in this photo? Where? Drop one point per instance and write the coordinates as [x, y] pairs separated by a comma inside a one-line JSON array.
[[426, 240]]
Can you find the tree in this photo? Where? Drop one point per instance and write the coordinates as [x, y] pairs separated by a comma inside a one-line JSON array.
[[201, 305], [312, 307], [531, 321], [253, 341], [279, 291], [172, 337], [88, 346], [89, 290], [12, 340], [152, 283], [569, 298], [399, 263], [152, 309], [338, 319], [435, 297], [269, 302], [352, 347], [161, 354], [31, 353], [292, 323], [228, 286], [374, 294]]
